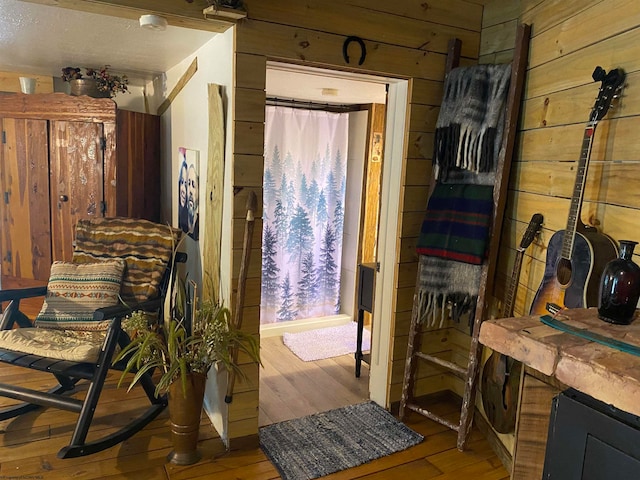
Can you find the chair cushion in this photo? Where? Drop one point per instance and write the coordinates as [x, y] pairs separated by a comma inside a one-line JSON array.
[[145, 246], [74, 291], [74, 346]]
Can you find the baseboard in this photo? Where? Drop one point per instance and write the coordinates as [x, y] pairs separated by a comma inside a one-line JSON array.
[[277, 329]]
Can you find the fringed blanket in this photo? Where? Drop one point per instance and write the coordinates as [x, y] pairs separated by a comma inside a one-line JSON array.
[[446, 289], [470, 123], [452, 247], [457, 223]]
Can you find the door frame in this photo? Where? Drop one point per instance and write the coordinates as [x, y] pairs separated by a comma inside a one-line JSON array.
[[382, 331], [388, 224]]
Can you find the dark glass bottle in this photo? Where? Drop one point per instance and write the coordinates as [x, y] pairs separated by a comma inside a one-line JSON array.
[[620, 287]]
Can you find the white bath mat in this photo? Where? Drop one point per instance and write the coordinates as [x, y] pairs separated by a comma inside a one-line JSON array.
[[326, 342]]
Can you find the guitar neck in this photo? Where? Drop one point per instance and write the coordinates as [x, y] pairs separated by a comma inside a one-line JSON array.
[[573, 221], [513, 283]]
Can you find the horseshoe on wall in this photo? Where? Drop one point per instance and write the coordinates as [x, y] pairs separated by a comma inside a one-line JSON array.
[[345, 48]]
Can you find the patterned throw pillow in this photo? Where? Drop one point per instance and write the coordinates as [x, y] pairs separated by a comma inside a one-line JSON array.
[[145, 246], [76, 290]]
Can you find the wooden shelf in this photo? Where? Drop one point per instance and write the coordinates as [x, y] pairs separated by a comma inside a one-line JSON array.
[[607, 374], [224, 14], [555, 360]]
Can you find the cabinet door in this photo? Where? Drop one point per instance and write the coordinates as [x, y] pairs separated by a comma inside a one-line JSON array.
[[76, 180], [24, 207]]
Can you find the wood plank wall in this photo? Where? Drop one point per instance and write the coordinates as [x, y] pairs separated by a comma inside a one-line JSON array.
[[10, 82], [404, 40], [569, 39]]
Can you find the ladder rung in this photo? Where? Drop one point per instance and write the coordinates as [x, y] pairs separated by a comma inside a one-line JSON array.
[[433, 416], [454, 367]]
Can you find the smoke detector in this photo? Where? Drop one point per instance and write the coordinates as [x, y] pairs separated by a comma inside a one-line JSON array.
[[153, 22]]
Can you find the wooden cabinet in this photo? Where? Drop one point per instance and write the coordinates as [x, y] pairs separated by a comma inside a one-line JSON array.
[[591, 440], [64, 158], [572, 350]]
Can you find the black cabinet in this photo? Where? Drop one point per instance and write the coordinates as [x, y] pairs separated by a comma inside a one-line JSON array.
[[589, 440], [366, 287]]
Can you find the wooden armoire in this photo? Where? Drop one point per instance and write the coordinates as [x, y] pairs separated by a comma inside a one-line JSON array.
[[64, 158]]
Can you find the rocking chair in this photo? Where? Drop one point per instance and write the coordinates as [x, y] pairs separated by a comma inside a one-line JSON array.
[[119, 266]]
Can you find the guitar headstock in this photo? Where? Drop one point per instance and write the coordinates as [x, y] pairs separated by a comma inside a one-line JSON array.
[[612, 83], [534, 226]]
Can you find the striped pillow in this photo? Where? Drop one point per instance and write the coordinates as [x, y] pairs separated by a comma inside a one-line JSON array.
[[145, 246], [75, 291]]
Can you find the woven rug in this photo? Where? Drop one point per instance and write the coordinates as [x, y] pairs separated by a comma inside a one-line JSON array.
[[324, 443], [326, 342]]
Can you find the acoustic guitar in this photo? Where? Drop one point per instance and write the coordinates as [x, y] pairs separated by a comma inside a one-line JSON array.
[[501, 374], [577, 255]]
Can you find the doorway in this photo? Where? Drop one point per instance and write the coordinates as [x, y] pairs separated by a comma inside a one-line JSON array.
[[327, 84]]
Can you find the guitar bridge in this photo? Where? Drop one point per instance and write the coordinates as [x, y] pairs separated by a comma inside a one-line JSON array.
[[553, 308]]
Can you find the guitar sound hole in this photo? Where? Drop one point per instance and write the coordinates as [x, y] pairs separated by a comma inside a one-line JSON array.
[[563, 273]]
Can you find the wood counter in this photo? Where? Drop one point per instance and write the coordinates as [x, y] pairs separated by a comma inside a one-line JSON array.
[[555, 360]]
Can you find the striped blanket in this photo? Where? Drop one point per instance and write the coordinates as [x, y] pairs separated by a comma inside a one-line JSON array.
[[452, 248], [145, 246], [457, 222]]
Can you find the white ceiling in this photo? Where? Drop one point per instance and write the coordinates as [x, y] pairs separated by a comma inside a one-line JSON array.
[[41, 40]]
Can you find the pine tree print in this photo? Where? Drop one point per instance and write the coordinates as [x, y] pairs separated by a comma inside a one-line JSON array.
[[307, 293], [270, 270], [269, 189], [282, 190], [327, 271], [338, 168], [338, 219], [321, 209], [281, 223], [276, 163], [331, 191], [288, 163], [286, 312], [300, 238], [312, 197], [304, 191]]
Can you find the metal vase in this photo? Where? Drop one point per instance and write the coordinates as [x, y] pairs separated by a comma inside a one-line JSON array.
[[184, 413], [87, 86]]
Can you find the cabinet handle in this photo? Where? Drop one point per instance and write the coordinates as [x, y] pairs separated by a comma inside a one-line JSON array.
[[63, 198]]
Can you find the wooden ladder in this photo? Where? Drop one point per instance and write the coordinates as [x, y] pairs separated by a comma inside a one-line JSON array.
[[471, 373]]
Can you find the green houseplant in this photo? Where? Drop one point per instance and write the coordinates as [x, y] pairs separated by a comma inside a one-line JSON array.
[[183, 348], [177, 352]]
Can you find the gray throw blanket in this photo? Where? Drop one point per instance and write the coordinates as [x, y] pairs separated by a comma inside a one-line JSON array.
[[446, 289], [471, 120], [466, 148]]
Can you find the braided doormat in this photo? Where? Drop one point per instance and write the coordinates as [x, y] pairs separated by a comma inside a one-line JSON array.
[[317, 445]]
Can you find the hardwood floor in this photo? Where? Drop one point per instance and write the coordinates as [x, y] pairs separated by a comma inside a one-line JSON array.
[[289, 388]]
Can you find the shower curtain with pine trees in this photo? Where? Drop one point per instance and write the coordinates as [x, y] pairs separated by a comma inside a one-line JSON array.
[[303, 213]]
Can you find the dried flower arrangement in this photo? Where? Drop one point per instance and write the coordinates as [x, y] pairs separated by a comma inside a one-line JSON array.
[[106, 81]]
